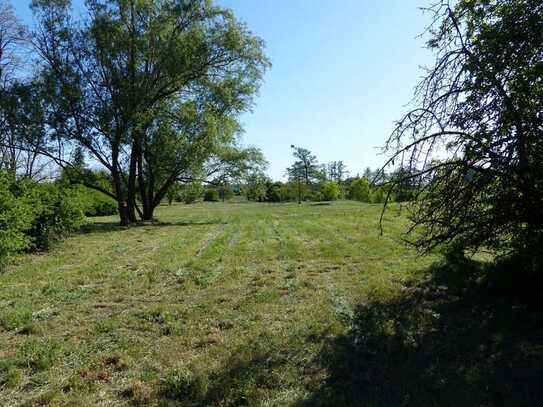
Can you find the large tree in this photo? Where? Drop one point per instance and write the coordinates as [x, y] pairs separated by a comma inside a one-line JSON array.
[[148, 88], [474, 140]]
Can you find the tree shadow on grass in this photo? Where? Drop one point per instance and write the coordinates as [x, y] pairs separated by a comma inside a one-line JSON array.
[[106, 227], [462, 337]]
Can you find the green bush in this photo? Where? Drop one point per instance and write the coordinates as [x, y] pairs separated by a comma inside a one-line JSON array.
[[60, 212], [330, 191], [95, 203], [102, 206], [191, 192], [226, 193], [211, 195], [359, 190], [378, 195], [277, 192], [315, 196], [32, 215], [16, 216]]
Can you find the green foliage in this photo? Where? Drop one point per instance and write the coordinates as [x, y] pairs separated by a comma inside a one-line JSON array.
[[378, 195], [16, 216], [481, 103], [60, 212], [277, 192], [256, 186], [175, 75], [95, 203], [32, 216], [226, 192], [330, 191], [359, 190], [173, 193], [190, 193], [315, 196], [211, 195]]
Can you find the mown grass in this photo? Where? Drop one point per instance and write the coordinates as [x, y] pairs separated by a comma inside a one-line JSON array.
[[218, 304]]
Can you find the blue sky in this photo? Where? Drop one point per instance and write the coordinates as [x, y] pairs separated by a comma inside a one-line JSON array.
[[343, 71]]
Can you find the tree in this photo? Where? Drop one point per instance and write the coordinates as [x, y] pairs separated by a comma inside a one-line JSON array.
[[336, 171], [234, 165], [474, 139], [22, 115], [13, 36], [304, 171], [306, 163], [150, 89], [256, 186], [20, 103], [371, 175]]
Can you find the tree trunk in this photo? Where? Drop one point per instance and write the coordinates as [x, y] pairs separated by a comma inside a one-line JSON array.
[[131, 193], [122, 204], [145, 191]]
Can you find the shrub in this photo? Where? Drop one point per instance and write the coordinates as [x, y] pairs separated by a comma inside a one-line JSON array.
[[16, 215], [102, 206], [95, 203], [226, 193], [60, 212], [277, 192], [330, 191], [211, 195], [359, 190], [378, 195], [190, 193], [315, 196], [32, 215]]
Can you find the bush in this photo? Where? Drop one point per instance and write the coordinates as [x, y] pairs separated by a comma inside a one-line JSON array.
[[330, 191], [191, 193], [359, 190], [102, 206], [378, 195], [16, 216], [32, 215], [59, 213], [211, 195], [274, 194], [226, 193], [315, 196], [95, 203]]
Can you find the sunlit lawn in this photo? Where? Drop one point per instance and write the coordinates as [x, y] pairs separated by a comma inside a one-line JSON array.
[[218, 303]]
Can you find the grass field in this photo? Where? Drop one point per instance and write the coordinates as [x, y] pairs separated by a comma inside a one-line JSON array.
[[218, 304]]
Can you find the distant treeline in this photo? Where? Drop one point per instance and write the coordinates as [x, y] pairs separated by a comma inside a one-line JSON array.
[[307, 181]]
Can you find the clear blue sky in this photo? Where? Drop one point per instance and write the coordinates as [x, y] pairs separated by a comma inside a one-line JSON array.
[[343, 71]]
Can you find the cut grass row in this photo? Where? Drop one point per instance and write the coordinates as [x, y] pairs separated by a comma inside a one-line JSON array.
[[217, 302]]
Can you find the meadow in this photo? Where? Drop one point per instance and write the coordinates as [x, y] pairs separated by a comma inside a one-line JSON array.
[[226, 304]]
